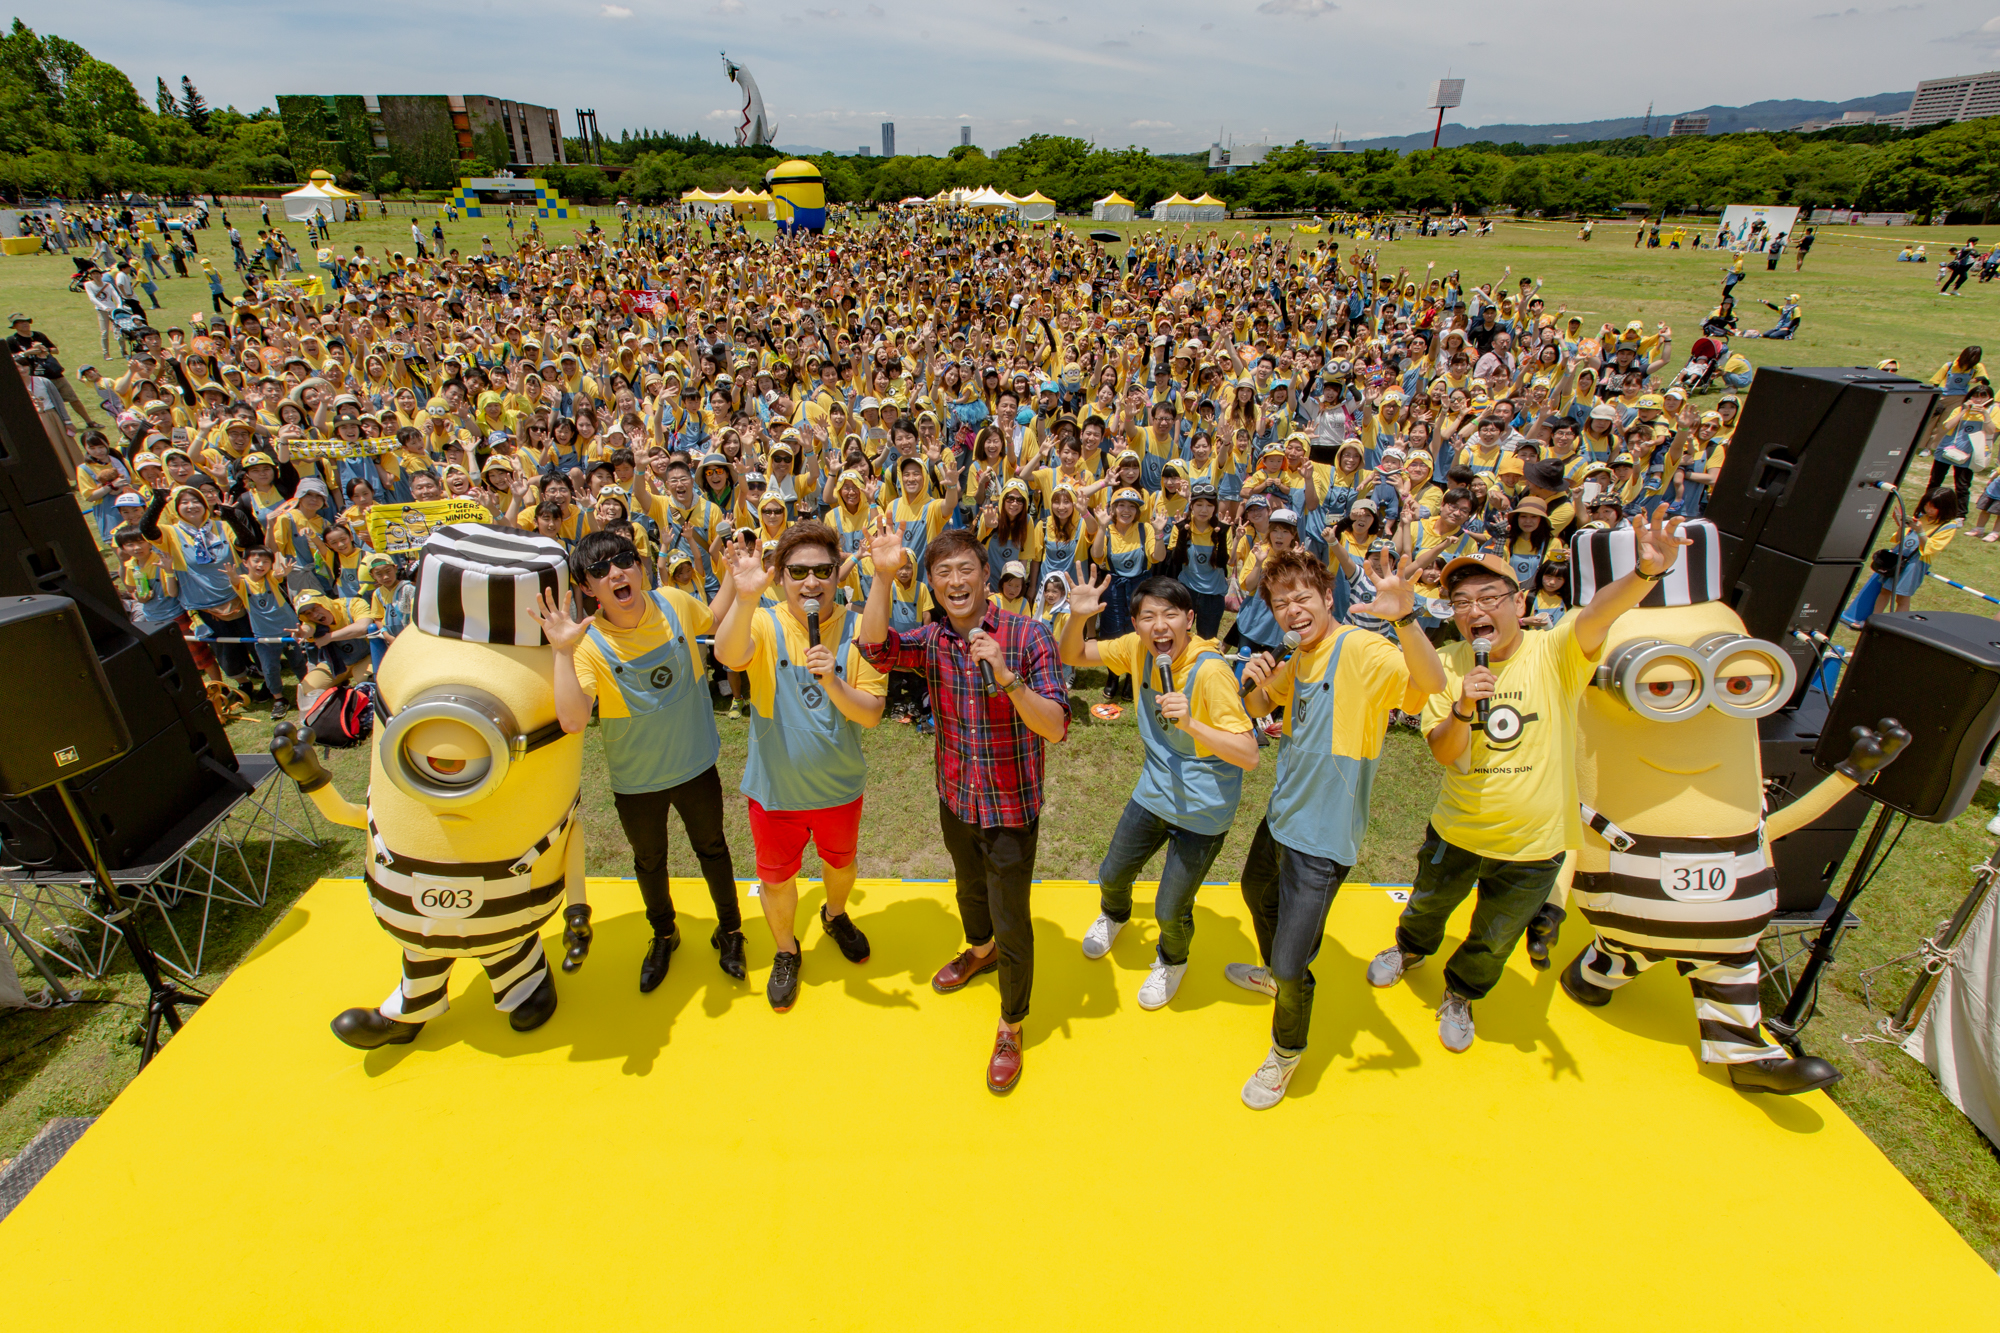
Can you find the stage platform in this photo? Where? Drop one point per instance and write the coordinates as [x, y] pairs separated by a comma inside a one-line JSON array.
[[691, 1160]]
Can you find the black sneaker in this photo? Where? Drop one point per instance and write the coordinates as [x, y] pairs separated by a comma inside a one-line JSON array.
[[853, 944], [278, 710], [783, 990]]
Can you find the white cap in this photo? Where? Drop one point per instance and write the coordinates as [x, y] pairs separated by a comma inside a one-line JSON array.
[[1013, 569], [1289, 517]]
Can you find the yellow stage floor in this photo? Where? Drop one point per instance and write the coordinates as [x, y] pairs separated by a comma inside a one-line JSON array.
[[690, 1159]]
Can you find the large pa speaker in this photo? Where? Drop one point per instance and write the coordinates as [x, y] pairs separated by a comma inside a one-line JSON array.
[[1938, 673], [180, 755], [63, 721], [1775, 592], [1806, 862], [1802, 462]]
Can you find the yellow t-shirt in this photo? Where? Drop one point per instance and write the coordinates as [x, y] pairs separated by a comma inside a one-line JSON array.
[[1213, 701], [1513, 795], [596, 675], [765, 652], [1373, 678]]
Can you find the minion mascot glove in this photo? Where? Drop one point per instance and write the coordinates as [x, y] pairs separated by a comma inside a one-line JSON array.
[[473, 837], [1675, 863]]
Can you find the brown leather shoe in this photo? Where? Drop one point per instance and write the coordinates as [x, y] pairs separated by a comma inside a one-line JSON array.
[[1003, 1071], [953, 975]]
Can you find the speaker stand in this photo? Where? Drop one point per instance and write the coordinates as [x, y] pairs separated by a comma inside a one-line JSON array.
[[163, 999], [1800, 1007]]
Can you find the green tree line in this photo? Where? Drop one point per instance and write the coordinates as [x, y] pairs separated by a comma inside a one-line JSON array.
[[71, 124]]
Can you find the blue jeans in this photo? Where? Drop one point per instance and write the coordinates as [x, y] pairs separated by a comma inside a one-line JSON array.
[[272, 658], [1139, 834], [1510, 893], [1289, 894]]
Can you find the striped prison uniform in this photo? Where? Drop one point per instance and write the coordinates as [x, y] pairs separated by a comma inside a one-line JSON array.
[[503, 932], [1645, 912]]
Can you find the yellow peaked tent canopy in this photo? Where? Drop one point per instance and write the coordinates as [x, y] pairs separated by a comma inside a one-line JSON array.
[[1116, 198], [324, 180]]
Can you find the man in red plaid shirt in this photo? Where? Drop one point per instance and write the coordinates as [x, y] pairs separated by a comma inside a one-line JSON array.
[[989, 757]]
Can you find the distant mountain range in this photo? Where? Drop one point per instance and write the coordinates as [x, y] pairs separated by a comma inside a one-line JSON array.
[[1773, 115]]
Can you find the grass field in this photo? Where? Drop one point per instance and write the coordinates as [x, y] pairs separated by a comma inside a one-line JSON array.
[[1859, 307]]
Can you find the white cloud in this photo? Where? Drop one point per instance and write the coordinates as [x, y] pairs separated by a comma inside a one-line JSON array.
[[1151, 125], [727, 8], [827, 14], [1991, 25], [616, 12], [1309, 9], [721, 114]]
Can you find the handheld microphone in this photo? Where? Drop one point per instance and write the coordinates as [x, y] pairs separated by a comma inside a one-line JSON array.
[[811, 604], [985, 667], [1480, 648], [1166, 666], [1291, 646]]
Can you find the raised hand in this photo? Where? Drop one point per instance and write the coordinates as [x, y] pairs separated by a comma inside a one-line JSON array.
[[885, 547], [1659, 543], [1395, 589], [1087, 598], [559, 627]]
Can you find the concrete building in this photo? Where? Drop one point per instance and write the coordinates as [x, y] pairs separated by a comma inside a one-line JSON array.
[[1849, 118], [1236, 156], [420, 136], [965, 136], [888, 138], [1688, 125], [1962, 97], [533, 133]]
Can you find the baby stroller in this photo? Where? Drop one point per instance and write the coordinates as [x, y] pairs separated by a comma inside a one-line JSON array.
[[132, 329], [1703, 358]]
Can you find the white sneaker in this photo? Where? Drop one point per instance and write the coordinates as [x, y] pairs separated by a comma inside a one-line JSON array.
[[1387, 967], [1097, 940], [1266, 1087], [1455, 1022], [1160, 984], [1252, 976]]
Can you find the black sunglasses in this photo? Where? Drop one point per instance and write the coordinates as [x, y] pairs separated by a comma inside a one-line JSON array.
[[601, 568], [802, 572]]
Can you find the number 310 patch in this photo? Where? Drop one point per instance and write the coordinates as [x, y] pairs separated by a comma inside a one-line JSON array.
[[1690, 878]]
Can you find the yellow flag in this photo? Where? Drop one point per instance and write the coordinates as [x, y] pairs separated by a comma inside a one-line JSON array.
[[402, 529]]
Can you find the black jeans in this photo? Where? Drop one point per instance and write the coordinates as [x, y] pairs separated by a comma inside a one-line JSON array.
[[1961, 482], [1510, 893], [644, 817], [994, 868], [1289, 894]]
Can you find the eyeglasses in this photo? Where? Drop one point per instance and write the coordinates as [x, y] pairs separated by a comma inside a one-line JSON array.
[[803, 572], [624, 560], [1486, 603]]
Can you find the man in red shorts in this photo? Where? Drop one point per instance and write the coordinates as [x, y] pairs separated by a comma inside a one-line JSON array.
[[811, 693]]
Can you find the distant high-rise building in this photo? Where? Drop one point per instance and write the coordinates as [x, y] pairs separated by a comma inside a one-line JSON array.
[[888, 138], [965, 136], [1688, 125], [1963, 97], [864, 151]]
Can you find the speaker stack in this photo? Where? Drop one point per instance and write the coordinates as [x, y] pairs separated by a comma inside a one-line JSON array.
[[1798, 505], [180, 756]]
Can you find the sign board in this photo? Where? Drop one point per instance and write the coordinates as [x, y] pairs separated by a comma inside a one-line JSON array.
[[1739, 219], [402, 529], [1447, 93]]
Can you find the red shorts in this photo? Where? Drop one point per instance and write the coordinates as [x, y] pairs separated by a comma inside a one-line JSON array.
[[781, 837], [203, 655]]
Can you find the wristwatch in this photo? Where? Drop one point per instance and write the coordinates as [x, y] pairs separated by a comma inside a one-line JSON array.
[[1409, 618]]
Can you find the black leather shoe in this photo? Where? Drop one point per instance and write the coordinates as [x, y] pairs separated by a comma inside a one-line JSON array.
[[653, 970], [1786, 1077], [1581, 988], [1543, 928], [729, 943], [537, 1009], [853, 944], [365, 1029], [783, 990], [576, 936]]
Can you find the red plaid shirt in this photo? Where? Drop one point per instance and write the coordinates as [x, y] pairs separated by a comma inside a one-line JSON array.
[[989, 762]]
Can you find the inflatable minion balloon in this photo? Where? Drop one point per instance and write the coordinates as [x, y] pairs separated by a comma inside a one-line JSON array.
[[798, 196], [1675, 865], [471, 813]]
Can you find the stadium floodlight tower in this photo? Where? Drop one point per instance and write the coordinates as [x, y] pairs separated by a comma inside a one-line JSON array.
[[1445, 94], [755, 129]]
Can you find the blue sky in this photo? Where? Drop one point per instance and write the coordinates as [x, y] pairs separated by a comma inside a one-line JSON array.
[[1165, 74]]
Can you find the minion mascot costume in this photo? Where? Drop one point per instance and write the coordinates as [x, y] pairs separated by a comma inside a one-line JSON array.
[[798, 196], [1675, 861], [472, 788]]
